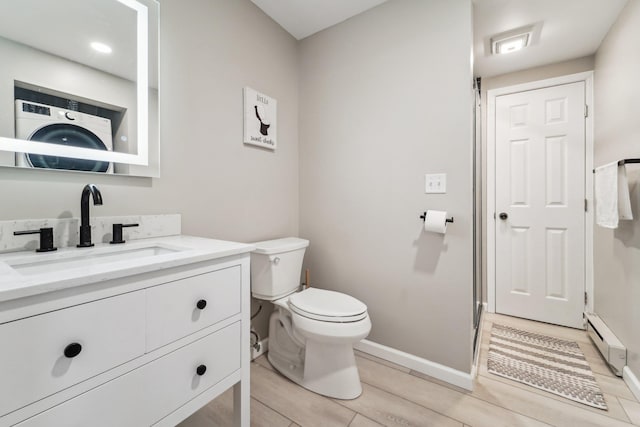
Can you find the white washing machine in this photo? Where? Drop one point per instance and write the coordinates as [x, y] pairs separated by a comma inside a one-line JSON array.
[[45, 123]]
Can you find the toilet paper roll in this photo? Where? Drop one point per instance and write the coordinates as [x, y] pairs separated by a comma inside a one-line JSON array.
[[435, 222]]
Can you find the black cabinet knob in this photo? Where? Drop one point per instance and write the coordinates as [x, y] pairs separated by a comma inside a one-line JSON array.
[[503, 215], [72, 350], [200, 370], [201, 304]]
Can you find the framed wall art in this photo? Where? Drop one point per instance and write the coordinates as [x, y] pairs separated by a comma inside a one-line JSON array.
[[260, 119]]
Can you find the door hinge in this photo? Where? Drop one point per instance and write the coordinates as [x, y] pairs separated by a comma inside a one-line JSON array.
[[585, 205], [586, 299], [586, 110]]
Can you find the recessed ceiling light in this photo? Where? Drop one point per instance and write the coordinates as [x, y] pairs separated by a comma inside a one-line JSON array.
[[101, 47], [511, 41]]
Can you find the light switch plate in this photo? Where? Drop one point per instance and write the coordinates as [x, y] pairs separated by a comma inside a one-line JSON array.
[[435, 183]]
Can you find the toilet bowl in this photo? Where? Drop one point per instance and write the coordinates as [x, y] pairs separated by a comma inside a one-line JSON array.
[[311, 332]]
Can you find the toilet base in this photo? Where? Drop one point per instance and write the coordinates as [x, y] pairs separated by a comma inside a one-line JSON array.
[[331, 370], [324, 368]]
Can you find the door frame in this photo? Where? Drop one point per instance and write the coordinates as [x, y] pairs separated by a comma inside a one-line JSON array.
[[490, 209]]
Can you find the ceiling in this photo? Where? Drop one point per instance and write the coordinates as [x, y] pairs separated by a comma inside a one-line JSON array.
[[569, 29], [302, 18]]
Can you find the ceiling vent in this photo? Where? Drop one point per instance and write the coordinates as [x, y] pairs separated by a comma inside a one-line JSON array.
[[512, 41]]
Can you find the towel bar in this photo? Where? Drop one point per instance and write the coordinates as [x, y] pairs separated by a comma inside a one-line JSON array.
[[624, 162]]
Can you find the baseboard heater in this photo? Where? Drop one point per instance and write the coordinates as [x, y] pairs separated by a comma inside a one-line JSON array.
[[613, 351]]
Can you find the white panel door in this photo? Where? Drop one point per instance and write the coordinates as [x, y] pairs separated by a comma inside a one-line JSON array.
[[540, 215]]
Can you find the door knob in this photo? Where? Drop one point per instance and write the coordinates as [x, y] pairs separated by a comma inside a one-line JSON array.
[[503, 215]]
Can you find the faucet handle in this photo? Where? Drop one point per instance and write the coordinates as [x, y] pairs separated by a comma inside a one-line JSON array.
[[46, 238], [117, 232]]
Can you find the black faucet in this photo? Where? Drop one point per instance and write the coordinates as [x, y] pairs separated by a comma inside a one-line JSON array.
[[85, 227]]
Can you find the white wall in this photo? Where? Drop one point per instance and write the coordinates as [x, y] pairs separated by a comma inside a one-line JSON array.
[[384, 99], [617, 136], [210, 50]]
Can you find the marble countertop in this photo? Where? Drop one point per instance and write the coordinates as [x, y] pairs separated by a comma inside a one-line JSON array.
[[72, 267]]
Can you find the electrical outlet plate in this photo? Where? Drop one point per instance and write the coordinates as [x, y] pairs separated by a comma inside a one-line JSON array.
[[435, 183]]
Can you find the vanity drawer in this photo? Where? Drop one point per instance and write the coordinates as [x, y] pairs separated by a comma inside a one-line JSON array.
[[180, 308], [116, 403], [175, 379], [103, 333], [151, 392]]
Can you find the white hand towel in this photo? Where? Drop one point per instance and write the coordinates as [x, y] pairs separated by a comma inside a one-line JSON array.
[[624, 198], [612, 195]]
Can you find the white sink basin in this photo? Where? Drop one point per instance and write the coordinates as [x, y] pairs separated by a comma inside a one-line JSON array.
[[50, 263]]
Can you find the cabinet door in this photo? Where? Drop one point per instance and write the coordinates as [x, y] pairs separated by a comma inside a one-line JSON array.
[[180, 308], [44, 354]]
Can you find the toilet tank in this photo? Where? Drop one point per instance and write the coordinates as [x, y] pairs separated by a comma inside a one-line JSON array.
[[276, 266]]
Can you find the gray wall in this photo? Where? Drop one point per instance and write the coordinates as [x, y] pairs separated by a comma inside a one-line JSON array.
[[385, 99], [223, 189], [617, 136], [557, 69]]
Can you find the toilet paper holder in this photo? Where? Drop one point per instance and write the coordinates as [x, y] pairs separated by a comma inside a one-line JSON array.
[[423, 217]]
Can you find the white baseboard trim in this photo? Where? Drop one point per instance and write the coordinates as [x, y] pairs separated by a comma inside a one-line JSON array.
[[264, 346], [632, 381], [424, 366]]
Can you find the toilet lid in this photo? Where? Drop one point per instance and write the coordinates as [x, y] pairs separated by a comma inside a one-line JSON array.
[[328, 306], [287, 244]]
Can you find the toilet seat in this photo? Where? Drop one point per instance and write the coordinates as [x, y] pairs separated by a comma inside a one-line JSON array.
[[327, 306]]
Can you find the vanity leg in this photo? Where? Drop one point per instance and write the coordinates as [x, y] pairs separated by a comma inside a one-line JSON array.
[[241, 390], [241, 401]]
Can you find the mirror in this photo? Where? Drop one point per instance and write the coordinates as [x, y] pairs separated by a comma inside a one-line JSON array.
[[78, 85]]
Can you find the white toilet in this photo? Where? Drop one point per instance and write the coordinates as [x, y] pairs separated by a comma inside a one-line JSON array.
[[311, 332]]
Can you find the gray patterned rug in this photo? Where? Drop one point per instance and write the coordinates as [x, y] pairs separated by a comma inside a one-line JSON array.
[[551, 364]]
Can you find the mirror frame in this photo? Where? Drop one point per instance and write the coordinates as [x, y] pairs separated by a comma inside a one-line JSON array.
[[142, 97]]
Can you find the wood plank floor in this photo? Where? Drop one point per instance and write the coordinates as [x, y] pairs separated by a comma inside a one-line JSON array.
[[395, 396]]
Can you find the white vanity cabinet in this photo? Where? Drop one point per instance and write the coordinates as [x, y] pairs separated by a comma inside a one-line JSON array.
[[140, 350]]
